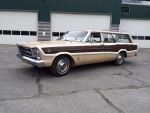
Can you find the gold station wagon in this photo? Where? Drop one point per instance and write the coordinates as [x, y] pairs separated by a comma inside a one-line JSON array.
[[76, 48]]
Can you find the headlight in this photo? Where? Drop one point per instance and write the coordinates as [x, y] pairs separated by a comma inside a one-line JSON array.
[[38, 55], [35, 53]]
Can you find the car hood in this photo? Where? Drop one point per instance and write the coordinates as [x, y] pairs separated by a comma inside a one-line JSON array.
[[48, 44]]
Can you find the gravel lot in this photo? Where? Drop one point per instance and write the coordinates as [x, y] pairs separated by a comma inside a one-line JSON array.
[[96, 88]]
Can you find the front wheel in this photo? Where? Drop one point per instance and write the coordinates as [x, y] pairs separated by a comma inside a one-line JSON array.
[[120, 59], [61, 66]]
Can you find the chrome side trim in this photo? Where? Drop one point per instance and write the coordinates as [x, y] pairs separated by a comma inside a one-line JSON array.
[[88, 53], [132, 51], [37, 63]]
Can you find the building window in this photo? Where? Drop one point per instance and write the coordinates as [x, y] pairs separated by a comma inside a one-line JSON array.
[[6, 32], [125, 9], [55, 33], [24, 32], [61, 34], [32, 33], [134, 37], [0, 32], [147, 37], [15, 32], [140, 37]]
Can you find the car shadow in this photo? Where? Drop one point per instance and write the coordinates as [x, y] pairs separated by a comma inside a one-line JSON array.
[[91, 67], [46, 73]]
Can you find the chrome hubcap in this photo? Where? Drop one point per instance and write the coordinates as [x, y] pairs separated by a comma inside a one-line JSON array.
[[63, 65], [120, 58]]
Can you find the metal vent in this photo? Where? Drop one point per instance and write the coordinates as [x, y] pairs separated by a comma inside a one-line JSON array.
[[44, 27], [114, 27]]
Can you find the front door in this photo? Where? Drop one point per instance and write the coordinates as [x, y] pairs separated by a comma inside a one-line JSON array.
[[94, 49]]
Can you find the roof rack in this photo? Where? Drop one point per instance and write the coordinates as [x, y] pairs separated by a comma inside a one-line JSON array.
[[103, 29]]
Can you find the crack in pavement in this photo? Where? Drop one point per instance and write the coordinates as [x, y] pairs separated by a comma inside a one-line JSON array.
[[109, 102], [128, 87], [129, 74], [120, 74], [40, 86], [40, 90], [74, 92], [20, 98]]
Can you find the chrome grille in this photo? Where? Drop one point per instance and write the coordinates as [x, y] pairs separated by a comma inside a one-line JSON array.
[[25, 51]]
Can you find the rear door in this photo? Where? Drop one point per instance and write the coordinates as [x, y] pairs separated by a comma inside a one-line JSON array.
[[110, 47]]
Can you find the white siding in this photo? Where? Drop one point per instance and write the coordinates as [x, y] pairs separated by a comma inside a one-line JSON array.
[[62, 22], [19, 21], [137, 28]]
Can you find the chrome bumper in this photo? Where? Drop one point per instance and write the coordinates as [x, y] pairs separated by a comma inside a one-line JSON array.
[[37, 63]]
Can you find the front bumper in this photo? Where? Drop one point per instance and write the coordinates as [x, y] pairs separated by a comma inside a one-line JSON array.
[[37, 63]]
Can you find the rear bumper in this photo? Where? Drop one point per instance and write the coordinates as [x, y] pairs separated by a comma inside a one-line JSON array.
[[37, 63]]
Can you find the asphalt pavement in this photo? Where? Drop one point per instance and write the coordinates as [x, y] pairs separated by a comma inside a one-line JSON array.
[[95, 88]]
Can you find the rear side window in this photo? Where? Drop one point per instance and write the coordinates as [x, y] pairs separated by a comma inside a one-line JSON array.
[[121, 38], [107, 38]]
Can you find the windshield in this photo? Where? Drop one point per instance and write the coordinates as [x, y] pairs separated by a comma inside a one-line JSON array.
[[74, 36]]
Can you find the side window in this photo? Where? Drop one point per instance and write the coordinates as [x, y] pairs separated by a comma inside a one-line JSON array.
[[107, 38], [95, 36], [119, 38]]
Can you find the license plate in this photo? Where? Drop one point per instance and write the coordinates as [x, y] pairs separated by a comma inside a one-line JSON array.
[[23, 60]]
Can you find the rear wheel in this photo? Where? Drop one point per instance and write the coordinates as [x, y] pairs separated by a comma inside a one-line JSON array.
[[60, 66], [120, 59]]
